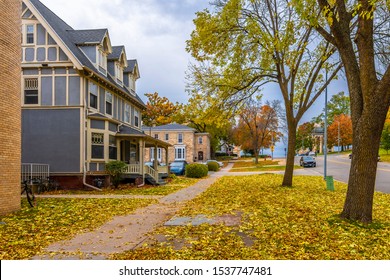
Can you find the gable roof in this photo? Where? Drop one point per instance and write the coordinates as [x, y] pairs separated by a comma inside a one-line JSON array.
[[71, 39], [88, 36], [172, 126]]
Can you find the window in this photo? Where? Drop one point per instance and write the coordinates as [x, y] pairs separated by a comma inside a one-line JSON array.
[[30, 34], [200, 140], [166, 136], [97, 145], [118, 73], [31, 91], [108, 103], [180, 138], [93, 98], [180, 153], [112, 148], [127, 113], [156, 136], [102, 61], [136, 118], [152, 154]]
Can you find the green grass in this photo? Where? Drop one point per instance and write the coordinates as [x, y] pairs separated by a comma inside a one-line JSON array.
[[299, 222], [262, 165]]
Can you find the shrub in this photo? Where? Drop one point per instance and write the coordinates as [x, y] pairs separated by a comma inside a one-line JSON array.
[[212, 166], [196, 170], [115, 170]]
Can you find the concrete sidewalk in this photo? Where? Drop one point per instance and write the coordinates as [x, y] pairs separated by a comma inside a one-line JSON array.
[[125, 233]]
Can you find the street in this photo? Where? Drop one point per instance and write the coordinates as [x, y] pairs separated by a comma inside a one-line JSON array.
[[338, 166]]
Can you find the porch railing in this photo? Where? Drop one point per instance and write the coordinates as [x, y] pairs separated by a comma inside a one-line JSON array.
[[34, 171], [133, 169], [150, 171]]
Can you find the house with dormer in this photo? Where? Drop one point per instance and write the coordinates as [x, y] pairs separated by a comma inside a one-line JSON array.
[[80, 107]]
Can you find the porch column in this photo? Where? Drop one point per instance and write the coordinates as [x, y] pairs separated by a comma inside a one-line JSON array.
[[166, 160], [118, 149], [155, 166], [141, 156]]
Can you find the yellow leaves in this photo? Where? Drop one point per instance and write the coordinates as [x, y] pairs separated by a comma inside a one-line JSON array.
[[27, 232], [277, 223]]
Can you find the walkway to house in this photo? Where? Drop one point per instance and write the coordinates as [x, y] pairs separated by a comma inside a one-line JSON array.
[[127, 232]]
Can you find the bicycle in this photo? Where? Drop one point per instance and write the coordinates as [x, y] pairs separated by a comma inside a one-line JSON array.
[[47, 185], [26, 188]]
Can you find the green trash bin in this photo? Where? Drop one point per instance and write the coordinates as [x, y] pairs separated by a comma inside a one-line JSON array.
[[329, 183]]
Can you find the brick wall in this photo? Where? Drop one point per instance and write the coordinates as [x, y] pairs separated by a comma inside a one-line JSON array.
[[10, 120], [190, 142]]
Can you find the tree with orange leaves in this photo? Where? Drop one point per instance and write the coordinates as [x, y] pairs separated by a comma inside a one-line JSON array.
[[257, 126], [159, 110], [340, 127]]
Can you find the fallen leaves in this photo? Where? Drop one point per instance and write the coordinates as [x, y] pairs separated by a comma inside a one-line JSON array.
[[27, 232], [277, 222]]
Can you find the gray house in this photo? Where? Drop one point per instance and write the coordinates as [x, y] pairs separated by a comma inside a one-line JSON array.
[[80, 108]]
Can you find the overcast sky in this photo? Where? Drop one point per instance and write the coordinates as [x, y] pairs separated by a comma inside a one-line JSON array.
[[153, 31]]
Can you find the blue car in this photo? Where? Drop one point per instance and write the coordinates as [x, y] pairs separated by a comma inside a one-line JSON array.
[[178, 167]]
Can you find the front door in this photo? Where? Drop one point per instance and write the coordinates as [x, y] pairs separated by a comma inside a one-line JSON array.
[[200, 156]]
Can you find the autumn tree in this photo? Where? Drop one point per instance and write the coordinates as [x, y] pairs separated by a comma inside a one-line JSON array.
[[359, 29], [305, 136], [257, 125], [337, 105], [340, 131], [159, 110], [243, 44], [199, 113]]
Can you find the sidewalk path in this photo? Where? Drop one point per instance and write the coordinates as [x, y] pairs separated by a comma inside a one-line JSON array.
[[125, 233]]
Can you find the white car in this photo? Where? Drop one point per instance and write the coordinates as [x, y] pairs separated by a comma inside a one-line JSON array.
[[312, 154], [211, 160]]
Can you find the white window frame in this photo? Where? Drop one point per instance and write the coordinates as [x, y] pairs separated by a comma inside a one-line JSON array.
[[136, 117], [180, 153], [152, 154], [119, 72], [109, 100], [33, 34], [102, 61], [180, 138], [127, 116], [96, 95]]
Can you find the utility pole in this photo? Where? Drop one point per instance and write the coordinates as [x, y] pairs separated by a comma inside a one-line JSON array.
[[326, 125], [338, 136]]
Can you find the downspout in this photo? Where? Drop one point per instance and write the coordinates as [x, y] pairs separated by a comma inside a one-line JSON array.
[[84, 165], [85, 180]]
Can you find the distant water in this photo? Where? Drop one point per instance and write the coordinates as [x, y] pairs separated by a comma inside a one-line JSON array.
[[279, 151]]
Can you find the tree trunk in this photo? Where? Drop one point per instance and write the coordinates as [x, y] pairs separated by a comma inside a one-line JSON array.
[[361, 184], [288, 174]]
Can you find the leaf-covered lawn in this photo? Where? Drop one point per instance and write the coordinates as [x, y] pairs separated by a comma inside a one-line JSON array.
[[277, 222], [174, 185], [27, 232]]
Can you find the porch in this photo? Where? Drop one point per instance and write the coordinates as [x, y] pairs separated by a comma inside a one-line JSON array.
[[154, 176]]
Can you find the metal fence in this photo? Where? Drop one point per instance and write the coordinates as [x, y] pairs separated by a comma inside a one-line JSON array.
[[34, 171]]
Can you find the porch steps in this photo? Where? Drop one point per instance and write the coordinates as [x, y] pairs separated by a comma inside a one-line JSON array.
[[152, 181]]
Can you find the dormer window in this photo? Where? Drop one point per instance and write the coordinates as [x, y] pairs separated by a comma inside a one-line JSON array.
[[119, 73], [102, 61]]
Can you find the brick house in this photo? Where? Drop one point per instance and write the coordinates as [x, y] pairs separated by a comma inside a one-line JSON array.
[[186, 143], [80, 108], [10, 106]]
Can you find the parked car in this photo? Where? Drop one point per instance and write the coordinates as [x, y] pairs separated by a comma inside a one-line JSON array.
[[312, 154], [350, 157], [150, 163], [220, 164], [307, 161], [178, 167]]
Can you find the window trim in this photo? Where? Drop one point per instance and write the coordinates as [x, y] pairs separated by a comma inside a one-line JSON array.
[[36, 80], [28, 33], [182, 153], [97, 144], [180, 139], [200, 140], [109, 104]]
